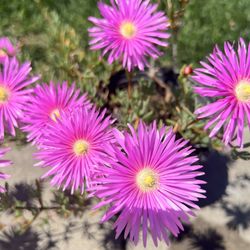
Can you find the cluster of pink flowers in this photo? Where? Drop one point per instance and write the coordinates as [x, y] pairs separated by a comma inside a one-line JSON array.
[[146, 176]]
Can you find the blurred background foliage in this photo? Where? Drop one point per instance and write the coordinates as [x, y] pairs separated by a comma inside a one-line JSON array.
[[211, 22], [54, 33]]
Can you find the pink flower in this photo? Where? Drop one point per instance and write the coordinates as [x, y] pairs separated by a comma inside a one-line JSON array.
[[13, 94], [225, 78], [6, 48], [151, 185], [46, 104], [130, 30], [75, 146], [4, 163]]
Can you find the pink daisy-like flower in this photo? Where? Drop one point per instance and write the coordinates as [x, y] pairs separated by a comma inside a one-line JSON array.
[[3, 163], [129, 31], [6, 48], [152, 185], [226, 79], [46, 104], [75, 146], [13, 94]]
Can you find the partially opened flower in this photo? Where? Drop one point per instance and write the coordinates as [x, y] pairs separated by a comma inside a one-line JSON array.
[[6, 48], [152, 185], [226, 80], [46, 104], [75, 146], [3, 163], [130, 31], [13, 93]]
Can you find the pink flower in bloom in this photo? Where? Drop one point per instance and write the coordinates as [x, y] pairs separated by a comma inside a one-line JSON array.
[[46, 104], [75, 146], [226, 79], [3, 163], [129, 31], [13, 95], [151, 185], [6, 49]]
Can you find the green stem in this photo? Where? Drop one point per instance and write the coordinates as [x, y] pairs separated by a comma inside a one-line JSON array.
[[129, 75], [39, 190], [36, 208]]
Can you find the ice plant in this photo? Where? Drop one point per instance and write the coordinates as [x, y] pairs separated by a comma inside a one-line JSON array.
[[46, 104], [6, 48], [3, 163], [130, 31], [75, 146], [225, 79], [151, 185], [13, 94]]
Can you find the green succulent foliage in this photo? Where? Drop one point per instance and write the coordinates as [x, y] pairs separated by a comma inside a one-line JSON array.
[[131, 110], [65, 203], [241, 154], [182, 117]]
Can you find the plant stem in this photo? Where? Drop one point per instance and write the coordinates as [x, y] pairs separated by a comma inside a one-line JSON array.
[[36, 208], [168, 91], [39, 190], [42, 208], [129, 75]]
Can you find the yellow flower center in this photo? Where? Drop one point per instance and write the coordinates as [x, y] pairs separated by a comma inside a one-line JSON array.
[[81, 147], [147, 180], [4, 94], [242, 91], [55, 114], [2, 52], [128, 30]]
